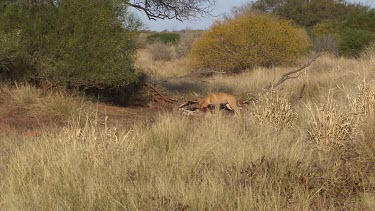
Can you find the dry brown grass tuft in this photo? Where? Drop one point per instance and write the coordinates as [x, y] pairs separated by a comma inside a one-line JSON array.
[[160, 68], [26, 101], [364, 103], [211, 163], [162, 52], [329, 124], [274, 108], [218, 162]]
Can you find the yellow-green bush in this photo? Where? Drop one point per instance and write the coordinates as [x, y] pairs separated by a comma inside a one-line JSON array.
[[247, 41], [325, 27]]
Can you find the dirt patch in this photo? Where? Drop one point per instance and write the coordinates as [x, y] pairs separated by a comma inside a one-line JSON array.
[[125, 117], [18, 120]]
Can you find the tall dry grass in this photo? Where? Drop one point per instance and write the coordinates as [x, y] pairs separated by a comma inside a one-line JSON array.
[[316, 153], [38, 103], [160, 68]]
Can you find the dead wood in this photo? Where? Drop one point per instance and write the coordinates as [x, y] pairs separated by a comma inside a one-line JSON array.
[[166, 98], [300, 96], [188, 103], [288, 75]]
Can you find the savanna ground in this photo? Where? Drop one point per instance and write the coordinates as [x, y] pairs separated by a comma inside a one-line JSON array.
[[286, 151]]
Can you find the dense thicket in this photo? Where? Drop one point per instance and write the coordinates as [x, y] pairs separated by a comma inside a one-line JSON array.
[[357, 32], [309, 12], [71, 43]]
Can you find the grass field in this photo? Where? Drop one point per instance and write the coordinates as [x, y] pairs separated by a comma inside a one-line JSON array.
[[287, 151]]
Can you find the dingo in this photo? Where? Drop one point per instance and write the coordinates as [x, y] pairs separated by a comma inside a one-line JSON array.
[[218, 100]]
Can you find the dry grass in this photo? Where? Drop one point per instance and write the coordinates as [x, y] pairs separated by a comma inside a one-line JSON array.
[[38, 103], [166, 60], [314, 153], [162, 52], [160, 68]]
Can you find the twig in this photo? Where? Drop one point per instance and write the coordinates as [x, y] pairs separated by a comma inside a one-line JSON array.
[[288, 76], [301, 92], [187, 103], [169, 100]]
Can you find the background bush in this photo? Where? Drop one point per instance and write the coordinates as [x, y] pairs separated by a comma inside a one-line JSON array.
[[357, 32], [161, 51], [247, 41], [14, 63], [71, 43], [308, 13], [164, 37], [325, 36], [187, 38], [339, 27]]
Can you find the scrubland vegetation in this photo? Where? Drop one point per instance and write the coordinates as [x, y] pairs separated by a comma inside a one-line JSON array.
[[282, 153], [308, 144], [248, 41]]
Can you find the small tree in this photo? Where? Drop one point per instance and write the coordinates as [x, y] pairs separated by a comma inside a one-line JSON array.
[[309, 12], [90, 46], [81, 43], [357, 32], [73, 43], [248, 41]]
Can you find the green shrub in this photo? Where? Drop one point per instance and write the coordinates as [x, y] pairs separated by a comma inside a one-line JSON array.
[[90, 47], [358, 31], [15, 64], [309, 13], [73, 43], [247, 41], [324, 28], [164, 37], [354, 41]]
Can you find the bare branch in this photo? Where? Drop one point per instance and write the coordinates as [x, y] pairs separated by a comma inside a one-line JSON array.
[[172, 9], [187, 103], [165, 98], [288, 75]]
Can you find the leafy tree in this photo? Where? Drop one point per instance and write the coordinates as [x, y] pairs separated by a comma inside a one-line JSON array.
[[357, 32], [74, 43], [90, 46], [86, 43], [308, 12]]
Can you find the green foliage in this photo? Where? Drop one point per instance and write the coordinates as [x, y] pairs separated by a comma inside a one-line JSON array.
[[354, 41], [14, 64], [309, 13], [324, 28], [164, 37], [335, 26], [248, 41], [73, 43], [358, 31]]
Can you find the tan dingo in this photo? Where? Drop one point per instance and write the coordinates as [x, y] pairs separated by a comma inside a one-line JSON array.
[[218, 100]]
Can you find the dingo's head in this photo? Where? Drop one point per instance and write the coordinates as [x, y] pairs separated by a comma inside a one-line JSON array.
[[201, 102], [202, 105]]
